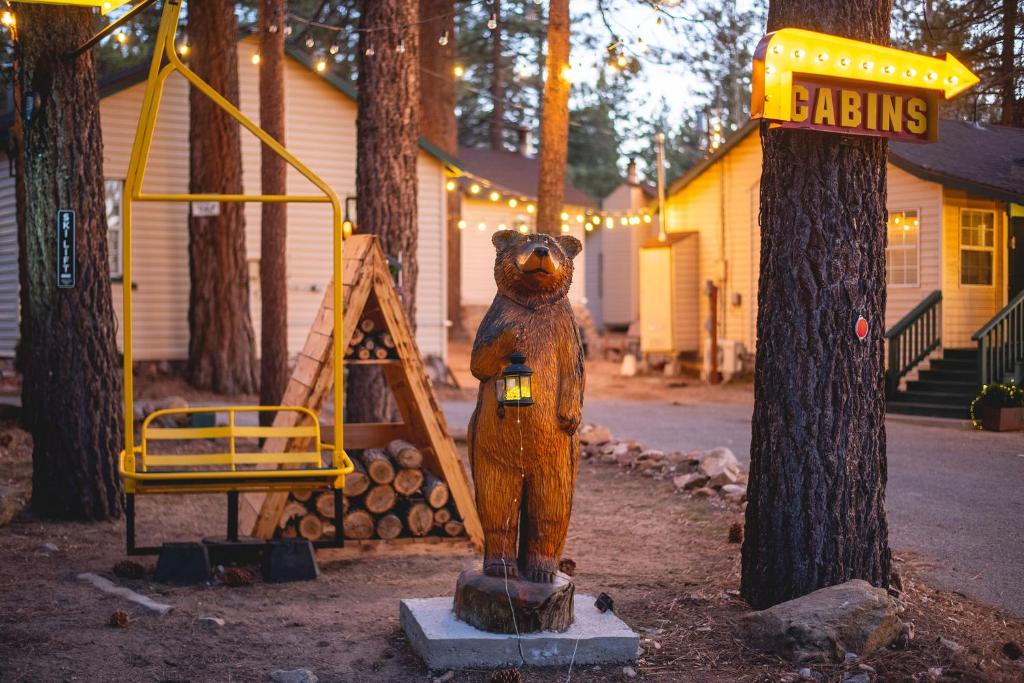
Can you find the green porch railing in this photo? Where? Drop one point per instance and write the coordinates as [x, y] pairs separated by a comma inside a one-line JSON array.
[[1001, 343], [916, 335]]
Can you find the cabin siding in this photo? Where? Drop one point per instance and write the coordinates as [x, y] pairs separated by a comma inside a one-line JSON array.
[[9, 302], [907, 192], [160, 230], [477, 259], [686, 293], [620, 304]]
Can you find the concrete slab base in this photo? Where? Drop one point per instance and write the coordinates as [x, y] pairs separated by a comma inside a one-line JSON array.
[[444, 642]]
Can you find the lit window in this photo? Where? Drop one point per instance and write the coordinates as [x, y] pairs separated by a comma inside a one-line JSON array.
[[901, 253], [977, 247], [113, 190]]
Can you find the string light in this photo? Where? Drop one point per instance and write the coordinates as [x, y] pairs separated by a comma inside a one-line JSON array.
[[565, 216], [513, 203], [458, 71], [492, 23], [369, 52], [494, 196], [474, 188], [530, 208], [461, 225], [400, 49], [321, 65], [256, 59], [7, 19], [481, 227], [310, 43], [565, 227], [183, 49], [443, 40], [450, 185], [334, 49]]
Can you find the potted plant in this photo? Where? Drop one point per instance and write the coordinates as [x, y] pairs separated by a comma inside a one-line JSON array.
[[998, 408]]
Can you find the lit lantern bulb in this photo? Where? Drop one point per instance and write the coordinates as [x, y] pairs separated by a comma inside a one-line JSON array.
[[122, 37], [588, 227], [7, 19], [624, 221], [334, 49], [622, 62], [502, 226], [609, 222]]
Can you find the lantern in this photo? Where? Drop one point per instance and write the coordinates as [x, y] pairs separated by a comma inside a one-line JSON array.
[[515, 387]]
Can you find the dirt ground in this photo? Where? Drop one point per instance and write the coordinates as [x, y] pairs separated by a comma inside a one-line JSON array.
[[662, 556]]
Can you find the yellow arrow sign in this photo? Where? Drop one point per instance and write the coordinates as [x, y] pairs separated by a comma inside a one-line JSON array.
[[790, 51], [104, 5]]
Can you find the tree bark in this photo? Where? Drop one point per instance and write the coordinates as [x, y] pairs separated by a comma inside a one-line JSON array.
[[1008, 96], [815, 515], [274, 217], [221, 349], [497, 122], [72, 380], [554, 124], [387, 146], [439, 126]]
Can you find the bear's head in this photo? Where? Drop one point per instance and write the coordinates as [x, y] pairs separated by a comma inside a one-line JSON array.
[[534, 269]]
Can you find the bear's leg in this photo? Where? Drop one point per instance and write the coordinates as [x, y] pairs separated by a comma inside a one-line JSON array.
[[548, 504], [498, 496]]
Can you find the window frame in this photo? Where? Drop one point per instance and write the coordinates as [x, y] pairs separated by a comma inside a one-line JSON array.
[[118, 274], [917, 250], [961, 247]]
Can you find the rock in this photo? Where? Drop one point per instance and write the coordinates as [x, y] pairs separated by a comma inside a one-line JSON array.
[[729, 475], [689, 481], [703, 492], [592, 434], [11, 503], [209, 623], [629, 672], [861, 677], [826, 624], [807, 674], [716, 460], [951, 645], [906, 635], [734, 493], [48, 548], [293, 676], [935, 672], [625, 458], [445, 677]]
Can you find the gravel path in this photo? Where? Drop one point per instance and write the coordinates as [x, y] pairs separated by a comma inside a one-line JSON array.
[[955, 495]]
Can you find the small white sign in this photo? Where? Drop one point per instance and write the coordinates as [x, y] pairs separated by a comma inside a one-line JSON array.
[[205, 209]]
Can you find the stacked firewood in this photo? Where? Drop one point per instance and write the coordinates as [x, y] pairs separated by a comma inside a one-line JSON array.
[[371, 342], [389, 495]]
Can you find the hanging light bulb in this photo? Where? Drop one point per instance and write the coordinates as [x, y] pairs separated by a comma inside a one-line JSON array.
[[565, 227], [450, 185], [369, 52], [443, 40], [310, 43], [183, 49], [287, 29], [458, 71], [256, 59], [7, 19], [272, 28], [122, 37], [513, 203], [492, 23], [461, 225], [530, 208], [334, 49], [621, 61], [495, 196], [400, 49], [321, 65]]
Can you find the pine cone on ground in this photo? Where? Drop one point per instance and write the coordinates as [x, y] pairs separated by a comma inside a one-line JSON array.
[[736, 533], [506, 676], [238, 576], [119, 618], [126, 569]]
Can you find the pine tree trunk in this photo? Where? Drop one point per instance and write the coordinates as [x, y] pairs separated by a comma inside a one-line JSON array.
[[439, 126], [274, 217], [72, 377], [387, 146], [497, 122], [816, 515], [554, 125], [221, 349], [1008, 99]]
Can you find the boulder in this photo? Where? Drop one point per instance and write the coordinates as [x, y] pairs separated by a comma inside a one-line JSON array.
[[592, 434], [11, 503], [293, 676], [734, 493], [826, 624], [729, 475], [704, 492], [626, 458], [689, 481], [715, 461]]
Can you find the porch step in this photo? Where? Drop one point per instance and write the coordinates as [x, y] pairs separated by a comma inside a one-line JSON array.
[[944, 390], [927, 409]]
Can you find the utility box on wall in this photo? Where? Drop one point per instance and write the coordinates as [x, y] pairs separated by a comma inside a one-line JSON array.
[[669, 295]]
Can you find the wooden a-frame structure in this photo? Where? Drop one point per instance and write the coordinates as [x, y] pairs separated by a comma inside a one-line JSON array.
[[368, 291]]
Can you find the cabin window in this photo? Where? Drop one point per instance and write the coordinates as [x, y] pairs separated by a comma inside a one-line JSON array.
[[113, 190], [977, 247], [901, 253]]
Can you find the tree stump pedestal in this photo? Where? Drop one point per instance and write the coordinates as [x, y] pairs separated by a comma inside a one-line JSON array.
[[499, 605]]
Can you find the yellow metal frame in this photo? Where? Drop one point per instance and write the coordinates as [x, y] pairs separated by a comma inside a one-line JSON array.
[[104, 6], [164, 51]]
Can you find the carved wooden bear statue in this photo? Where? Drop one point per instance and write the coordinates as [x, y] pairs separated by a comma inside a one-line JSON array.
[[525, 459]]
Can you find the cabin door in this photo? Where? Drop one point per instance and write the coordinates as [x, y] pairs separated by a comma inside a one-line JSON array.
[[1016, 256]]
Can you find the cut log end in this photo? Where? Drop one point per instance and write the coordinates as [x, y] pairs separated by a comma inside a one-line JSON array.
[[358, 525], [389, 527]]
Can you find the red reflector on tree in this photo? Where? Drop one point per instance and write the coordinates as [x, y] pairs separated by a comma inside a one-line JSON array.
[[862, 328]]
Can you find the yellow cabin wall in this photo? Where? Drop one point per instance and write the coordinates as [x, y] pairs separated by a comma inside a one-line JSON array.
[[324, 138], [477, 251]]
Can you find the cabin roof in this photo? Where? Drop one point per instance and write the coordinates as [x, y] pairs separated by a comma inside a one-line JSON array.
[[515, 173], [984, 159]]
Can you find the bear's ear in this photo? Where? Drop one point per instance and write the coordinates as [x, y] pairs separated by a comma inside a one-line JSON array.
[[503, 239], [570, 245]]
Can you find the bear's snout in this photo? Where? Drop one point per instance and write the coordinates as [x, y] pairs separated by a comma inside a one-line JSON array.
[[541, 252]]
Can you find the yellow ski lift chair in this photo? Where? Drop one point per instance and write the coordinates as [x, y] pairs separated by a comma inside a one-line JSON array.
[[226, 470]]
